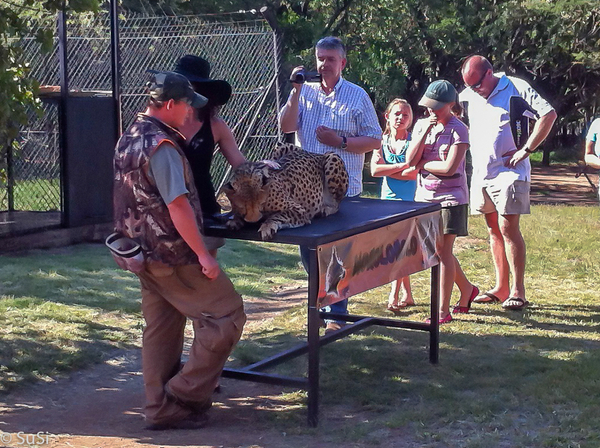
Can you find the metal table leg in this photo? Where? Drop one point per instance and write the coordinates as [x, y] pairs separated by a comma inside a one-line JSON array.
[[434, 330], [313, 339]]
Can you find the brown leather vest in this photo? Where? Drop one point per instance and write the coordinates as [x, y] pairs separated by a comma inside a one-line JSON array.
[[139, 210]]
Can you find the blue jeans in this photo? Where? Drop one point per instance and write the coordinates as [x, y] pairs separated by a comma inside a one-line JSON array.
[[340, 307]]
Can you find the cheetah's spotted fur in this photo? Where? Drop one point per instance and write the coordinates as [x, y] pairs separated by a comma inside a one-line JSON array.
[[306, 185]]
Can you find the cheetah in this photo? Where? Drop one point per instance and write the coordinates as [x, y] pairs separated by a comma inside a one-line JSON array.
[[305, 186]]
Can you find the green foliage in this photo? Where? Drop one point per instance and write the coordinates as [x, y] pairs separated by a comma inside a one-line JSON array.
[[399, 46], [17, 91]]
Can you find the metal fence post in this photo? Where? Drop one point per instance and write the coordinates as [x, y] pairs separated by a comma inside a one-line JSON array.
[[62, 111]]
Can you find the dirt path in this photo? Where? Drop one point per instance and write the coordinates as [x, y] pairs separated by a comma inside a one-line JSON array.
[[557, 184], [102, 406]]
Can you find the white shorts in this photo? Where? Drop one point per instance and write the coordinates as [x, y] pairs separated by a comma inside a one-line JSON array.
[[505, 198]]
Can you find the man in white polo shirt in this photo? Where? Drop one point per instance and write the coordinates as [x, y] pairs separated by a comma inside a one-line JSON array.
[[501, 171], [333, 115]]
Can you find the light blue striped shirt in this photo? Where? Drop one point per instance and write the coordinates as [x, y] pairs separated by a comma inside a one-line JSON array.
[[349, 111]]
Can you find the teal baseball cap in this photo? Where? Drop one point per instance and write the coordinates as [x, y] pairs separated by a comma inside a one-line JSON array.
[[165, 86], [438, 94]]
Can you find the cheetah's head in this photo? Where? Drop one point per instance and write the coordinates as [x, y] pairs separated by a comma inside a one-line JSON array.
[[248, 190]]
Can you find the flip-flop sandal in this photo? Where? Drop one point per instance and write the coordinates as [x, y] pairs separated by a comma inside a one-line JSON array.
[[487, 297], [514, 303]]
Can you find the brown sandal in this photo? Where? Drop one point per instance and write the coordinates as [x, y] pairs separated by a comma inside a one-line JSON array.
[[487, 297]]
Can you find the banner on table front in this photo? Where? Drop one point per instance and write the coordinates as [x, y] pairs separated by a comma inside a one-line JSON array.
[[367, 260]]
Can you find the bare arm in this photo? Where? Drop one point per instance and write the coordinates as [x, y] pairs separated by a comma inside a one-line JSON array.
[[400, 171], [541, 129], [357, 145], [449, 166], [414, 153], [362, 145], [184, 219], [289, 115], [227, 144], [591, 159]]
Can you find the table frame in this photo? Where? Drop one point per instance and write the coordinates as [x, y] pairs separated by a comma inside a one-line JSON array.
[[312, 239]]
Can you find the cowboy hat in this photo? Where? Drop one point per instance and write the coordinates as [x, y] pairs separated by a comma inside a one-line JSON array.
[[197, 70]]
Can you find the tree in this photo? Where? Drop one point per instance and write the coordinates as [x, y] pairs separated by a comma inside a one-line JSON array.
[[17, 90]]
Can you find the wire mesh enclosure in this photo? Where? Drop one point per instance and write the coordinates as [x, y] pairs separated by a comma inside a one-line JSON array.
[[241, 48]]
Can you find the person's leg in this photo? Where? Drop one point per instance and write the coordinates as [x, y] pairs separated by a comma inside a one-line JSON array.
[[214, 339], [447, 274], [162, 345], [394, 294], [401, 293], [515, 252], [465, 287], [217, 314], [497, 246], [216, 311]]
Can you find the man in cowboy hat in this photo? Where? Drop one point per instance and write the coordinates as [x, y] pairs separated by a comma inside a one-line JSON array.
[[204, 130], [156, 204]]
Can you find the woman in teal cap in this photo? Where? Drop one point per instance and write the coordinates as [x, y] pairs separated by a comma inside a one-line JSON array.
[[438, 150]]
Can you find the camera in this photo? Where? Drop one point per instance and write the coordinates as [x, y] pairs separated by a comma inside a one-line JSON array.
[[303, 76]]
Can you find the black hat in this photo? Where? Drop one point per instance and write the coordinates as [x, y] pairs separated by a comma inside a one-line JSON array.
[[165, 86], [197, 70]]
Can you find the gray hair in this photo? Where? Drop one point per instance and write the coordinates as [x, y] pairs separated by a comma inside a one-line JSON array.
[[332, 43]]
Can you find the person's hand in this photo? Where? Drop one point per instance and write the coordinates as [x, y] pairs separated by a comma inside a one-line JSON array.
[[517, 157], [433, 120], [209, 265], [271, 164], [328, 137], [293, 74]]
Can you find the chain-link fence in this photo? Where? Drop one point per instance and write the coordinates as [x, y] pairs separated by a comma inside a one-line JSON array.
[[241, 50]]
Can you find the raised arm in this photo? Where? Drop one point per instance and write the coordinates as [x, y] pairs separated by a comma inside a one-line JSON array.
[[289, 115], [414, 153], [227, 144]]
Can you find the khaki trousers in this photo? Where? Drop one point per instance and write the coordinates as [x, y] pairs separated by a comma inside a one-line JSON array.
[[169, 296]]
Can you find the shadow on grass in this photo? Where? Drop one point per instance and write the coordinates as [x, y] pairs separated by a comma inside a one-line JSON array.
[[540, 384], [31, 356], [586, 318]]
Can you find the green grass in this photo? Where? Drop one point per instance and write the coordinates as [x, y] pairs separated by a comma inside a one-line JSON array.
[[505, 379], [37, 195]]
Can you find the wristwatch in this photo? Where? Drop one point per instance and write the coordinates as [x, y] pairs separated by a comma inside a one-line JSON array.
[[527, 150], [344, 143]]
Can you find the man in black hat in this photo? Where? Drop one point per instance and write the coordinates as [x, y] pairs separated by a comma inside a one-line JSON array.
[[204, 130], [156, 204]]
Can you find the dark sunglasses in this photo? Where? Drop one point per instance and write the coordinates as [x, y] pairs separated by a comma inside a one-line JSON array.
[[478, 85]]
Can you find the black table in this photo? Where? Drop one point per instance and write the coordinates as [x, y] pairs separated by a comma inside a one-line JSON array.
[[355, 217]]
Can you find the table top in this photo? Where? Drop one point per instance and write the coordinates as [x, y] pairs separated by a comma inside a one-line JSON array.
[[356, 215]]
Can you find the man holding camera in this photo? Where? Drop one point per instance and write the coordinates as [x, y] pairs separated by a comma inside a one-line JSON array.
[[333, 115]]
